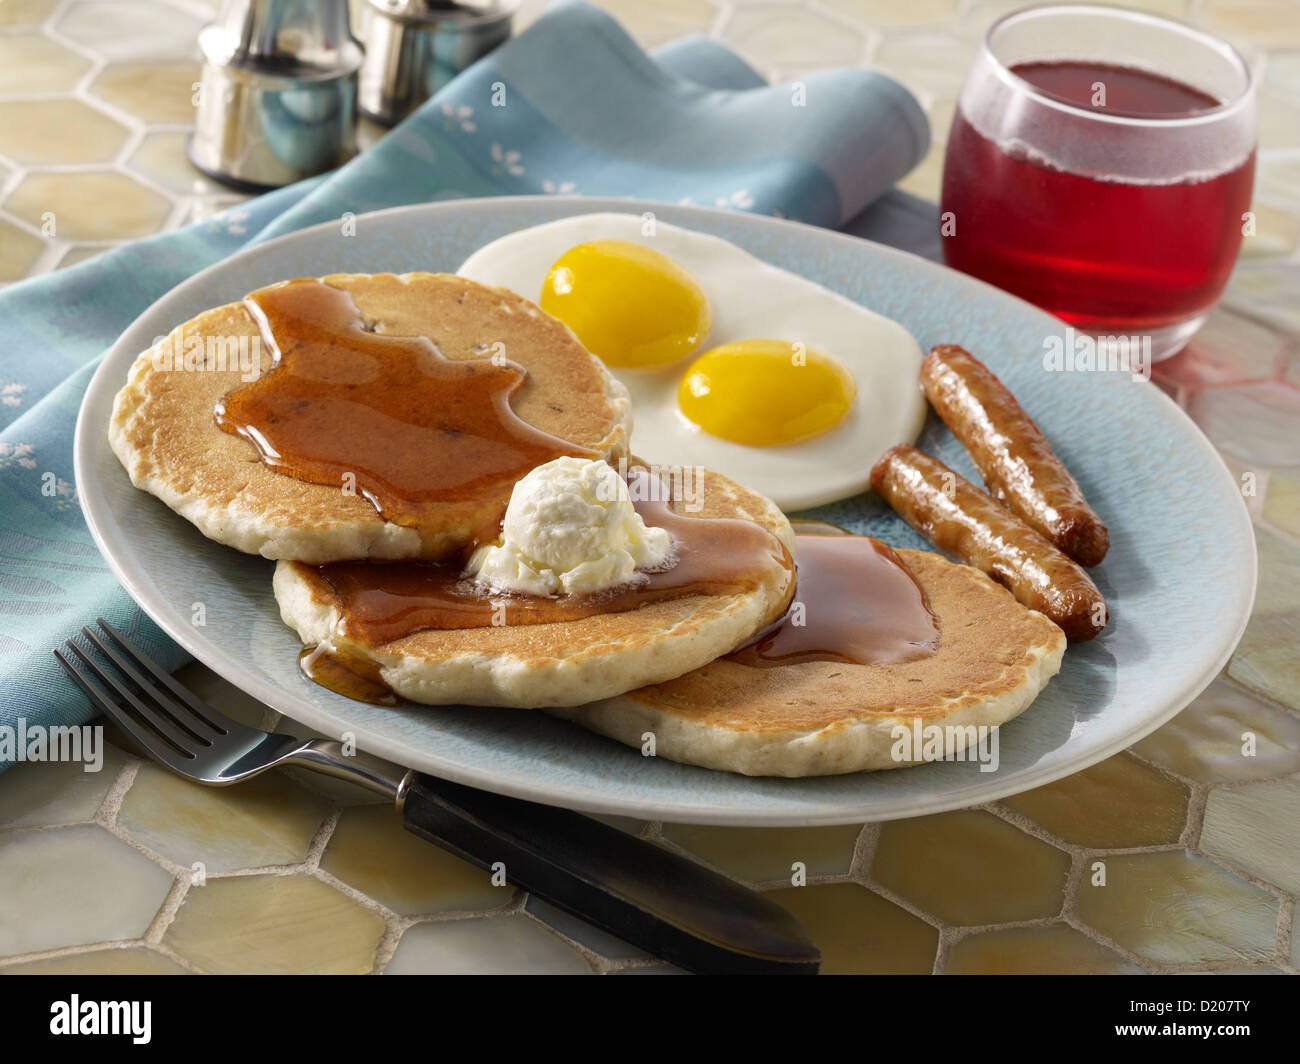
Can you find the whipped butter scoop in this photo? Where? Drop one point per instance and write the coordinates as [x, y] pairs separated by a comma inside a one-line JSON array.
[[570, 528]]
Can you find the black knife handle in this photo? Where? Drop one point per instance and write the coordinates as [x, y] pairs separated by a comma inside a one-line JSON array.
[[655, 899]]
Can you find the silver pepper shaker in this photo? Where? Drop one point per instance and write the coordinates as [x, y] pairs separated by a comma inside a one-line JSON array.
[[414, 47], [278, 93]]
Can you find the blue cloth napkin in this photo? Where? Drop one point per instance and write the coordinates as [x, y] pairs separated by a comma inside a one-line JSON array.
[[571, 106]]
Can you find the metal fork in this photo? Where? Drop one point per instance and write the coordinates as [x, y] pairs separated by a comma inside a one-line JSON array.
[[657, 900]]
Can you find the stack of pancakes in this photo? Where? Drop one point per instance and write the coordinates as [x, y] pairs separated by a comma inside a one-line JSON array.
[[652, 669]]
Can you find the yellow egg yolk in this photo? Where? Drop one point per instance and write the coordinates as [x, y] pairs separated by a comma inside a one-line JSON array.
[[765, 392], [629, 305]]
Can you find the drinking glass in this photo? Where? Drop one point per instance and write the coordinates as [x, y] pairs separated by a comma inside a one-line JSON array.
[[1100, 165]]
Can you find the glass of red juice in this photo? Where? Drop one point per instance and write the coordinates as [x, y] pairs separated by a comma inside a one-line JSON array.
[[1100, 165]]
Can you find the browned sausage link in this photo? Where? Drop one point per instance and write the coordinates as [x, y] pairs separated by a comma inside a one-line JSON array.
[[957, 517], [1016, 461]]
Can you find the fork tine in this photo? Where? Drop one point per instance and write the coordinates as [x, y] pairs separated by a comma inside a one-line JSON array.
[[174, 710], [141, 733], [204, 712], [159, 722]]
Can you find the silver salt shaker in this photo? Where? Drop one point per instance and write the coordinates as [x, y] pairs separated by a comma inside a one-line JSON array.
[[278, 93], [414, 47]]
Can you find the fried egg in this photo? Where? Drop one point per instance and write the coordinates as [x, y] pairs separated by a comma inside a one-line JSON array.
[[731, 363]]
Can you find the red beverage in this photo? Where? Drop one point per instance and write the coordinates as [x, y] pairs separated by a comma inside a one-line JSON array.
[[1095, 250], [1109, 185]]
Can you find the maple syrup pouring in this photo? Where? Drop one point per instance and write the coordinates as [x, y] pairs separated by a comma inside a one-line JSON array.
[[855, 601], [408, 427], [351, 676]]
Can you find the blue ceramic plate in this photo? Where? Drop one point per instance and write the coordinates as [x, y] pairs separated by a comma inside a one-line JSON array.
[[1179, 578]]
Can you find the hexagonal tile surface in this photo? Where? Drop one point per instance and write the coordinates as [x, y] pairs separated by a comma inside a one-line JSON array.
[[154, 92], [984, 13], [760, 854], [88, 206], [932, 64], [887, 15], [859, 932], [60, 792], [1257, 828], [371, 851], [1277, 232], [268, 925], [1257, 21], [1283, 71], [26, 12], [73, 886], [1279, 574], [19, 250], [1119, 802], [1282, 501], [1054, 949], [970, 867], [653, 24], [1229, 349], [32, 63], [1226, 734], [1268, 290], [1176, 907], [1278, 118], [77, 254], [790, 37], [1251, 421], [267, 820], [58, 131], [495, 945], [133, 960], [1278, 177], [161, 158], [1264, 660], [120, 29]]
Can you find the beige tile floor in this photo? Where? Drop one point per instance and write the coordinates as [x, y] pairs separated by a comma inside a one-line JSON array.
[[1198, 846]]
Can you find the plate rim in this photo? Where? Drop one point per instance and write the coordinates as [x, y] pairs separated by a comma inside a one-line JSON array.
[[86, 437]]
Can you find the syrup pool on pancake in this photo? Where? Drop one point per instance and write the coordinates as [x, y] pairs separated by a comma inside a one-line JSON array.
[[731, 363]]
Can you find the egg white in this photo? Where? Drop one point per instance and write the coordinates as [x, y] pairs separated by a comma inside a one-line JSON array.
[[749, 299]]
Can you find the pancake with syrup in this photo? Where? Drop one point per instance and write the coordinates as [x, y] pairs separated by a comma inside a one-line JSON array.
[[869, 653], [360, 416], [420, 631]]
